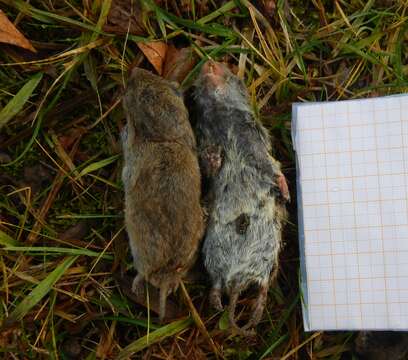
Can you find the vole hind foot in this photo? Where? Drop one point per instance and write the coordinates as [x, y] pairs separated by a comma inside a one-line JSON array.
[[138, 285], [258, 308], [215, 299], [257, 311], [211, 160], [283, 187], [234, 328]]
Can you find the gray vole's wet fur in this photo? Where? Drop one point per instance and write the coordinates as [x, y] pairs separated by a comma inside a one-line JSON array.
[[246, 195], [161, 178]]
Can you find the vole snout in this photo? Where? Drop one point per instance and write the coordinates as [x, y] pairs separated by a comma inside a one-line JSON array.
[[214, 73]]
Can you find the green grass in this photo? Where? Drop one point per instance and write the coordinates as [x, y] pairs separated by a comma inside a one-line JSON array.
[[62, 243]]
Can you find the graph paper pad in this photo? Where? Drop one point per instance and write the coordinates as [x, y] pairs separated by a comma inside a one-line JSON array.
[[352, 161]]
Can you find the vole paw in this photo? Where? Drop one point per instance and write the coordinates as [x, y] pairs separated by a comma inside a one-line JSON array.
[[259, 307], [138, 285], [215, 299], [283, 187], [211, 160]]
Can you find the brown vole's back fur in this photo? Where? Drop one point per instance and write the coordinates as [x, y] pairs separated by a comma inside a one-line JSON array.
[[161, 177]]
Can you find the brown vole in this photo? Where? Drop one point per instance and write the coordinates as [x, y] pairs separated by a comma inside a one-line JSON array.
[[246, 192], [161, 178]]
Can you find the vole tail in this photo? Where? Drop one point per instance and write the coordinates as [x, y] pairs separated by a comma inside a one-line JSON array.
[[232, 307], [167, 285], [164, 291]]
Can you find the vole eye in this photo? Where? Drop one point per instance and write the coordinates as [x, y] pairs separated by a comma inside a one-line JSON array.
[[148, 94], [219, 90]]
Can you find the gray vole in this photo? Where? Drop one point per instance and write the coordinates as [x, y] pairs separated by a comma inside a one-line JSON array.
[[161, 178], [382, 345], [246, 192]]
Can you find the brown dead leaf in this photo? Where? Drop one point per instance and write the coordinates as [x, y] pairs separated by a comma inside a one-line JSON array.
[[71, 347], [10, 35], [75, 232], [37, 177], [155, 52], [179, 62], [124, 16], [70, 137]]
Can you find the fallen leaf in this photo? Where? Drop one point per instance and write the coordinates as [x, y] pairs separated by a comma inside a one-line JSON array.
[[71, 347], [155, 52], [10, 35], [37, 177], [178, 63], [70, 137], [75, 232], [125, 16]]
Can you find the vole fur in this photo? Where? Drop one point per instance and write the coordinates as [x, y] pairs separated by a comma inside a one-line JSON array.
[[161, 177], [246, 193]]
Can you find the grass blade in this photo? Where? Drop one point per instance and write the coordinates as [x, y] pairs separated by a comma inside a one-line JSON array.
[[274, 346], [41, 114], [7, 240], [56, 250], [212, 28], [230, 5], [273, 338], [154, 337], [88, 216], [17, 102], [97, 165], [49, 17], [42, 289], [127, 320]]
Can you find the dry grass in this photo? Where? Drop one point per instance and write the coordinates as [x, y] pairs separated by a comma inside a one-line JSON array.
[[61, 225]]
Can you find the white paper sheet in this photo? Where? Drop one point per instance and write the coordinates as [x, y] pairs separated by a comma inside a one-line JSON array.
[[352, 181]]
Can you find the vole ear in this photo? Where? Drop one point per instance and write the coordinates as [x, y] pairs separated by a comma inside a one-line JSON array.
[[175, 86]]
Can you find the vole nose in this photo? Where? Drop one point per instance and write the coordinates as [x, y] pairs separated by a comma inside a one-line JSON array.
[[214, 73], [213, 68]]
